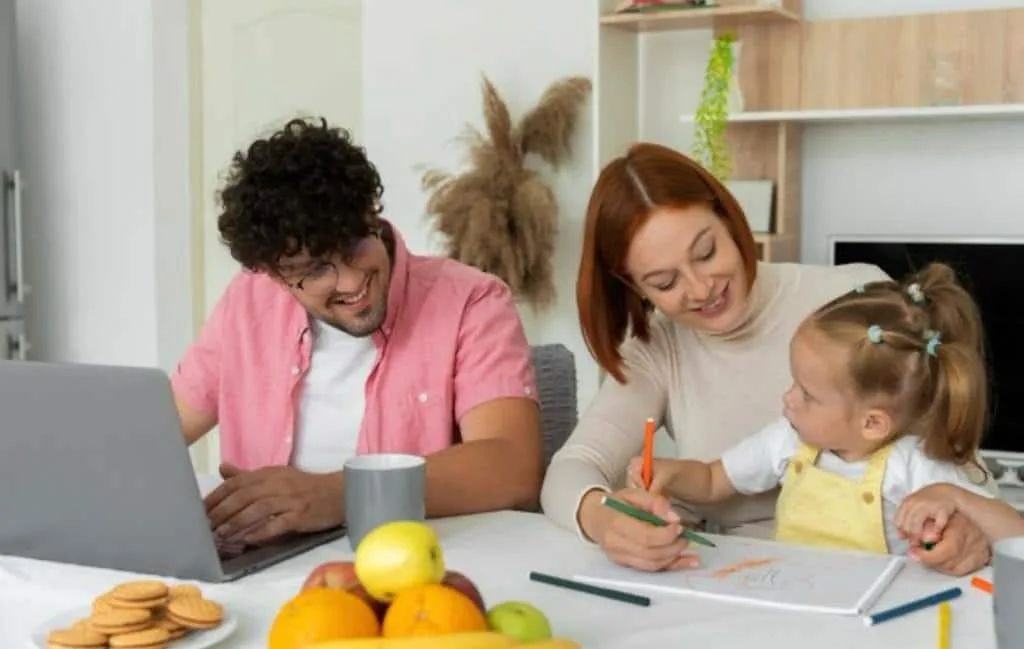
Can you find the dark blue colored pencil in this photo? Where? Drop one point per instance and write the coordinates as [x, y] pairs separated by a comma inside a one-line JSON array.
[[915, 605]]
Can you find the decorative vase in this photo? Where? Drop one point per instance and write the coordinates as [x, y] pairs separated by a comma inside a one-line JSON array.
[[735, 103]]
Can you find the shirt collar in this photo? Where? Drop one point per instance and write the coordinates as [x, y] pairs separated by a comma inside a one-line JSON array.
[[399, 278]]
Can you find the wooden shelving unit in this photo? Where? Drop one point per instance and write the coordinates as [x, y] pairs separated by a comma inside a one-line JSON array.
[[727, 16], [853, 115], [966, 65]]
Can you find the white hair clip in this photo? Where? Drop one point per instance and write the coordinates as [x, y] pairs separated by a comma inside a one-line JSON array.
[[875, 334], [932, 342], [915, 293]]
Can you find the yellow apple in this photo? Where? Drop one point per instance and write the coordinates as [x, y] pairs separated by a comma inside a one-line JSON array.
[[396, 556]]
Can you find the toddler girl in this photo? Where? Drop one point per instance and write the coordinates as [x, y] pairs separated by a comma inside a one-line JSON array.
[[888, 396]]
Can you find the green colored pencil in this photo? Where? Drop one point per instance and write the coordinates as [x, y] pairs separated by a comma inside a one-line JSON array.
[[618, 595], [648, 517]]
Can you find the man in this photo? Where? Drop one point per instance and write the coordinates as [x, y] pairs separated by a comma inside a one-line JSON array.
[[335, 340]]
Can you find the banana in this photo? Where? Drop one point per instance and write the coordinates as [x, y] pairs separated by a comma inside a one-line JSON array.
[[474, 640], [551, 643]]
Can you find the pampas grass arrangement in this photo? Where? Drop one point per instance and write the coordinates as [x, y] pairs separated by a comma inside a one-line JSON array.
[[497, 215]]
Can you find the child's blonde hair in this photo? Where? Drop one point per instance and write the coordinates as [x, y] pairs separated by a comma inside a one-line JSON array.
[[916, 347]]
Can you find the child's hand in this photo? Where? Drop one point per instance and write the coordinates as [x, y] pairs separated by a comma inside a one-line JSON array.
[[923, 514], [662, 473]]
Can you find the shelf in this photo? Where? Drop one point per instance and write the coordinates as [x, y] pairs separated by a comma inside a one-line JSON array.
[[699, 18], [777, 247], [987, 111]]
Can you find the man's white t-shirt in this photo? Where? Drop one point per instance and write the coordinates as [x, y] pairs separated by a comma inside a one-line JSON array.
[[758, 464], [332, 399]]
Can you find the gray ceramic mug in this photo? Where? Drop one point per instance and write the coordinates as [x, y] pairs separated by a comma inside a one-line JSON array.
[[380, 488], [1008, 592]]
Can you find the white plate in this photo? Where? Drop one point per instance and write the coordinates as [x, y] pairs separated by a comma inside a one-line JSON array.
[[197, 639]]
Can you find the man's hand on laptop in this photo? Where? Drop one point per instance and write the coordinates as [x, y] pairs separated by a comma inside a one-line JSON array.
[[260, 505]]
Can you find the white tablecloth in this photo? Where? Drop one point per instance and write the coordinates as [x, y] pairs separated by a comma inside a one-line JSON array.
[[497, 551]]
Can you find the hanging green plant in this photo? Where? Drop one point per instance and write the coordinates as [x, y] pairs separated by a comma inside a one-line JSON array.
[[712, 116]]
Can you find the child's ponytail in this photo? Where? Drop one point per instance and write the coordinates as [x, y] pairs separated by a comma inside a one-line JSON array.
[[958, 412]]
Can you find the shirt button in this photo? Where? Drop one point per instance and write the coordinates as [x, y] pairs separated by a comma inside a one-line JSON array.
[[528, 390], [422, 398], [295, 370], [288, 439]]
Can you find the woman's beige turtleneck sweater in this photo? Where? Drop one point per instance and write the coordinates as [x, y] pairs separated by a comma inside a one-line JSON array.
[[709, 391]]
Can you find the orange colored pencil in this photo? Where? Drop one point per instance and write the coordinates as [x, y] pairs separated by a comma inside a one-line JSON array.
[[981, 584], [647, 470]]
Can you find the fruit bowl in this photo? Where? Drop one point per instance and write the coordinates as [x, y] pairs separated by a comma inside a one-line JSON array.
[[398, 593]]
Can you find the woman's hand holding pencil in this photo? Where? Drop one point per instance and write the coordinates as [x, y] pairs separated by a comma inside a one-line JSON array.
[[635, 543]]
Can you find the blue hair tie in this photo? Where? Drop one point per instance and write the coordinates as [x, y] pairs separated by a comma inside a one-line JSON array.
[[875, 334], [932, 341]]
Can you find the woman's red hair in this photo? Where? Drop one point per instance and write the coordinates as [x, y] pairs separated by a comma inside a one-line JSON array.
[[629, 189]]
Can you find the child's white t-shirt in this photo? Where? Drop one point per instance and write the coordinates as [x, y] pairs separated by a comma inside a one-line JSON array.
[[758, 464]]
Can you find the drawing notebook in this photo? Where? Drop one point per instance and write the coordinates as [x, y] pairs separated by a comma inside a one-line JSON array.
[[766, 573]]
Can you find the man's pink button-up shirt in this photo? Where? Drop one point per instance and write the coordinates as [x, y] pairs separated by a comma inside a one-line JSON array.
[[451, 340]]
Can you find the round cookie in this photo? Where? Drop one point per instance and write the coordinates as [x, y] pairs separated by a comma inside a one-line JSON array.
[[195, 613], [174, 630], [154, 638], [77, 637], [138, 594], [184, 590], [102, 604], [120, 621]]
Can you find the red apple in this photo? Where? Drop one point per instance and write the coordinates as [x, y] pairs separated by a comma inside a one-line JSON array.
[[463, 584], [342, 575]]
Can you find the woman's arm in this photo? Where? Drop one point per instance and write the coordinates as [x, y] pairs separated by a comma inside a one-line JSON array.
[[609, 433]]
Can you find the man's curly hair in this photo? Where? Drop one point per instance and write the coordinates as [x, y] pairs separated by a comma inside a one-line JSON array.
[[306, 187]]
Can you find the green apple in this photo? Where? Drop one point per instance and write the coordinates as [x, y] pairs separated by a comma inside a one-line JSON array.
[[519, 620], [396, 556]]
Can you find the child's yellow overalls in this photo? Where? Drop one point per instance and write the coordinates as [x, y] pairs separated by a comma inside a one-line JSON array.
[[819, 508]]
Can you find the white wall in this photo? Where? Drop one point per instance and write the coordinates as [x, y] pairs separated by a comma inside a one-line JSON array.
[[105, 134], [422, 83]]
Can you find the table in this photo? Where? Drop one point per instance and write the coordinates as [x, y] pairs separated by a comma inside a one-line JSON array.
[[497, 551]]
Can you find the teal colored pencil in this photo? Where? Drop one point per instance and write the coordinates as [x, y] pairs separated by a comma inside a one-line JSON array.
[[648, 517]]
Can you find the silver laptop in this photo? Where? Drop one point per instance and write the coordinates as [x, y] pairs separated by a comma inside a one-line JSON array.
[[94, 471]]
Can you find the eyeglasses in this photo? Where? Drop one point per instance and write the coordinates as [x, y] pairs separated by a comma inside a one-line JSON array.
[[322, 278]]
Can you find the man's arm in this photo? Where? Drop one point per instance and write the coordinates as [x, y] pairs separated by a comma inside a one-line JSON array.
[[195, 423], [498, 465], [196, 378]]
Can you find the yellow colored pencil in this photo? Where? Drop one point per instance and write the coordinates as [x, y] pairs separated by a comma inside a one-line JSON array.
[[943, 639]]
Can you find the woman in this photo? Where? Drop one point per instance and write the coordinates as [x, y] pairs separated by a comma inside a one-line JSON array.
[[669, 257]]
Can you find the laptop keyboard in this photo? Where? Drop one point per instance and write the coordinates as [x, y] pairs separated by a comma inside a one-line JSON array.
[[231, 550]]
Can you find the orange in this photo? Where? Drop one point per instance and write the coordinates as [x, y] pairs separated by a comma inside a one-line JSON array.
[[433, 609], [320, 614]]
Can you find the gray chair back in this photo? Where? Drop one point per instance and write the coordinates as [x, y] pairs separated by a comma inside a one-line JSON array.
[[555, 368]]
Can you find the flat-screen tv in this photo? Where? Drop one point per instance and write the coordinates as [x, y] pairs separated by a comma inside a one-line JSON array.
[[992, 270]]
